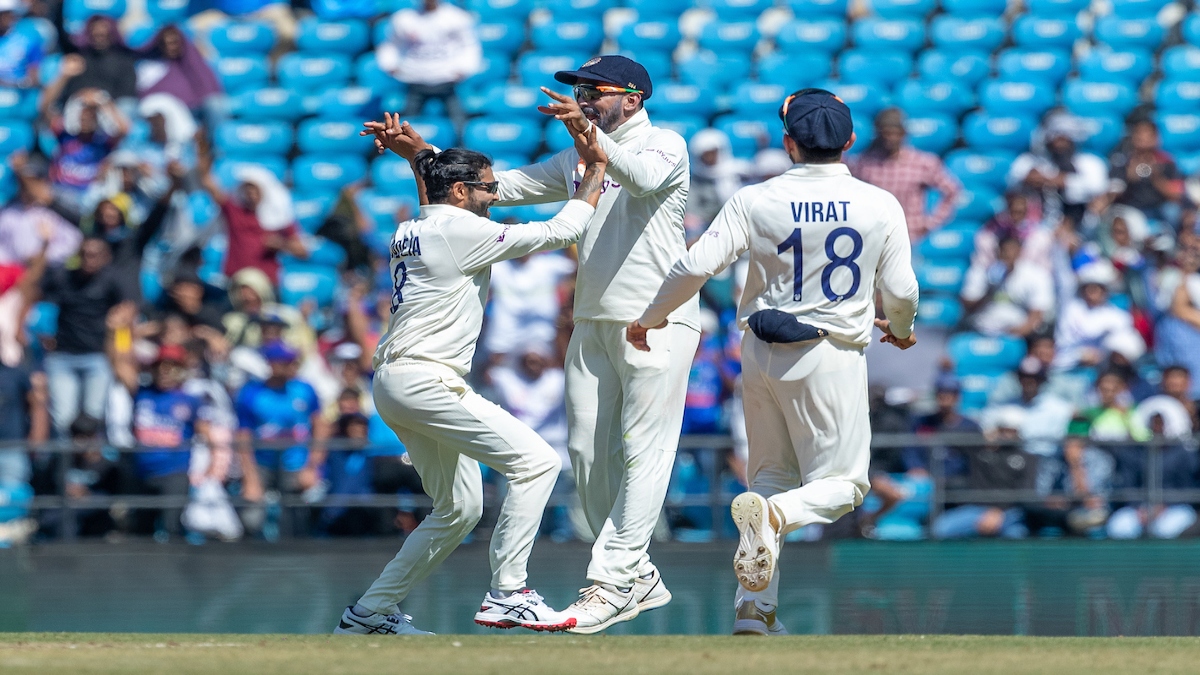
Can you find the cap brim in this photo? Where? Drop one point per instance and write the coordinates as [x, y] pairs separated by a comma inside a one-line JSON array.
[[572, 77]]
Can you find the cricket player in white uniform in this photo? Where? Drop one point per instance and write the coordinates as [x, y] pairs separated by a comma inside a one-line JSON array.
[[441, 264], [821, 243], [624, 407]]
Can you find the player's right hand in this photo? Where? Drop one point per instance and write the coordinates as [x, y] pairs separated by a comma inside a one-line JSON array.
[[392, 134], [589, 148], [635, 334], [901, 343]]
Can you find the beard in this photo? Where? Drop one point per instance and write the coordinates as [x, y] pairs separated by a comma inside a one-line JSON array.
[[608, 121], [479, 206]]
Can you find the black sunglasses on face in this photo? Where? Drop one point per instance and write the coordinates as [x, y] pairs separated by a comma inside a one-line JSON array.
[[490, 188]]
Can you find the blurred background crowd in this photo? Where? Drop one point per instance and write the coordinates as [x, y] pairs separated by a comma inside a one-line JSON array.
[[194, 241]]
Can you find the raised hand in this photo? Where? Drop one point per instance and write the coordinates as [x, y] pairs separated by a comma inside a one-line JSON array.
[[589, 149], [566, 110], [392, 134], [71, 65]]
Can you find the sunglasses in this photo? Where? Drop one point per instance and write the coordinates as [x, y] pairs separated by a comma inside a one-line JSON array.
[[490, 188], [593, 92]]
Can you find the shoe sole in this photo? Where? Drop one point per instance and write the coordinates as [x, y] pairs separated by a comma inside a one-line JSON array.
[[754, 563], [539, 627], [589, 630], [750, 627], [647, 605]]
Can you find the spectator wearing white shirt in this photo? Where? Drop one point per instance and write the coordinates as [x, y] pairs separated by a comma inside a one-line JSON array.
[[1067, 179], [1091, 324], [431, 49], [527, 293], [1009, 296]]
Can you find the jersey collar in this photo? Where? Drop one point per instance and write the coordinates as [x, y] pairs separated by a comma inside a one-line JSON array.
[[631, 126], [430, 210], [819, 170]]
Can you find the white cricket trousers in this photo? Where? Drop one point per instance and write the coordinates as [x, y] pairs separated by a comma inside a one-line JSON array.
[[809, 432], [625, 413], [448, 429]]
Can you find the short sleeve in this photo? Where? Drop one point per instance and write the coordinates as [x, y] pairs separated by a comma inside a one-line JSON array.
[[245, 413]]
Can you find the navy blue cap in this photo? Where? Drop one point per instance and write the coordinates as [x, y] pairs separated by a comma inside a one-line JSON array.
[[611, 68], [279, 351], [816, 118]]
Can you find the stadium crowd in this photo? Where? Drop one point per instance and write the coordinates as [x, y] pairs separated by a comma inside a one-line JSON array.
[[161, 290]]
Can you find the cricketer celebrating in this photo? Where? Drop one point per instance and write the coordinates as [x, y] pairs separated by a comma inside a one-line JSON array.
[[821, 243]]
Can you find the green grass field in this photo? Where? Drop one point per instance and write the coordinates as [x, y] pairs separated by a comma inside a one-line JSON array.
[[529, 654]]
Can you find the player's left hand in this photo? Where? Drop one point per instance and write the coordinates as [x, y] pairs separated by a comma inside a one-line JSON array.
[[635, 334], [566, 110], [901, 343]]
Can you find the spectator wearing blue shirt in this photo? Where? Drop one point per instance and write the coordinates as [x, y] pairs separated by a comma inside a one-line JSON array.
[[279, 411], [20, 50]]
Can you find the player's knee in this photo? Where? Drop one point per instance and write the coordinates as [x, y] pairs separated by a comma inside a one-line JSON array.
[[469, 511]]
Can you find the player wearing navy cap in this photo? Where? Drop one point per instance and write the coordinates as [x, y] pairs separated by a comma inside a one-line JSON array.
[[821, 243]]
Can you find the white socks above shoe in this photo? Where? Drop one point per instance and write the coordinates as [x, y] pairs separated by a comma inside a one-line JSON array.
[[360, 611]]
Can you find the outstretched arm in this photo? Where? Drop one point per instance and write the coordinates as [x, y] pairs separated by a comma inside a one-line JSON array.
[[402, 139], [204, 166]]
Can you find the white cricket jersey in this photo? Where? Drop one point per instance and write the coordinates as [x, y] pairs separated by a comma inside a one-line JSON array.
[[637, 233], [820, 242], [441, 266]]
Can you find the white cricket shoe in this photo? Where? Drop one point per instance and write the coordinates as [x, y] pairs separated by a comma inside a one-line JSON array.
[[525, 608], [599, 607], [753, 619], [376, 624], [650, 593], [758, 541]]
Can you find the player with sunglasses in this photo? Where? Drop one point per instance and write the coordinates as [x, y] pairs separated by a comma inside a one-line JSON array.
[[441, 265]]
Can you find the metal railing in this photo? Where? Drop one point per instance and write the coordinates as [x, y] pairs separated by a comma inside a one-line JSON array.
[[936, 447]]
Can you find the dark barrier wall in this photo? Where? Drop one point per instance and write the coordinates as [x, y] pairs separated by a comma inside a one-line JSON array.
[[1035, 588]]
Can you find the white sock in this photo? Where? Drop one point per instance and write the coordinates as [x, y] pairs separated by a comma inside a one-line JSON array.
[[500, 595], [359, 610], [616, 589]]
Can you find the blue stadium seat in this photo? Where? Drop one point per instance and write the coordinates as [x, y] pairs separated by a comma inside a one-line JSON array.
[[242, 73], [1103, 134], [658, 64], [978, 204], [941, 276], [494, 9], [573, 36], [1034, 32], [864, 99], [1129, 33], [392, 175], [367, 73], [975, 168], [299, 283], [382, 208], [558, 138], [8, 184], [250, 139], [1191, 29], [311, 209], [948, 243], [536, 69], [791, 70], [242, 38], [163, 12], [139, 36], [871, 66], [436, 131], [656, 35], [976, 388], [864, 131], [707, 70], [491, 137], [672, 99], [43, 28], [975, 354], [228, 171], [939, 311], [653, 10], [1057, 9], [902, 35], [946, 97], [321, 252], [802, 37], [381, 435], [1181, 62], [1128, 67], [747, 135], [820, 8], [969, 69], [508, 101], [1099, 98], [77, 12], [1180, 133], [310, 74], [954, 33], [975, 8], [333, 136], [592, 9], [336, 37], [1137, 9], [1034, 65], [933, 133], [1189, 164], [737, 10], [685, 126], [267, 105], [1026, 98], [501, 37], [18, 104], [42, 320], [1177, 97], [903, 9], [349, 102], [493, 71], [326, 173], [381, 32], [737, 36], [756, 99]]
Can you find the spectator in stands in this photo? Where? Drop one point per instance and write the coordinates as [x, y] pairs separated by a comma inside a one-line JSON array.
[[907, 173], [1009, 296], [24, 219], [1067, 180], [255, 312], [1021, 220], [769, 163], [1087, 323], [353, 373], [172, 65], [1046, 415], [77, 369], [431, 49], [1177, 333], [275, 12], [946, 419], [1144, 176], [185, 297], [23, 417], [527, 293], [103, 62], [258, 219], [128, 186], [349, 473], [709, 381], [348, 227], [94, 471], [279, 410], [20, 51], [1111, 419], [716, 175], [89, 128], [1070, 387], [1177, 384]]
